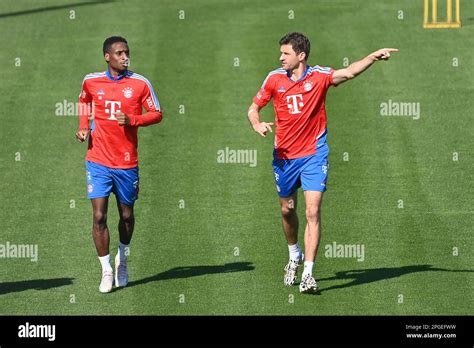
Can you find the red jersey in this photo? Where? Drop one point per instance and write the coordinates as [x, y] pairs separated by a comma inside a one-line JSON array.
[[110, 144], [299, 109]]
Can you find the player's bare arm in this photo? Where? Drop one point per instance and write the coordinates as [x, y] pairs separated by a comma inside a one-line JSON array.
[[356, 68], [254, 117]]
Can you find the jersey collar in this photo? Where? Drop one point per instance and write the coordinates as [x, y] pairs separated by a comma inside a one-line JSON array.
[[119, 77], [301, 78]]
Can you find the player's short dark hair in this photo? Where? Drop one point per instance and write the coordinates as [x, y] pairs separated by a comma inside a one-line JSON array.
[[298, 41], [110, 41]]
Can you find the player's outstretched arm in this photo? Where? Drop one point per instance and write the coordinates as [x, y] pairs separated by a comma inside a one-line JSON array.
[[356, 68], [254, 118]]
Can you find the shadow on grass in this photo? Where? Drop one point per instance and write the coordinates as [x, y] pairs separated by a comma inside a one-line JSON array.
[[36, 284], [365, 276], [52, 8], [194, 271]]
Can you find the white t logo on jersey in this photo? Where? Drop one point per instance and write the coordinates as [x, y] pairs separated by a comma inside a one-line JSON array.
[[294, 103], [114, 107]]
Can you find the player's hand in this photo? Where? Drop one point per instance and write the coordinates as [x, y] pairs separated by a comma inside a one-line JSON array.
[[383, 53], [263, 127], [82, 134], [122, 119]]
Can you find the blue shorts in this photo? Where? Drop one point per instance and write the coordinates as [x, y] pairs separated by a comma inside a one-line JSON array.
[[102, 180], [309, 172]]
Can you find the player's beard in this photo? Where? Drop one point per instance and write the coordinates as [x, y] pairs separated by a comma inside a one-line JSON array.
[[288, 67], [293, 67]]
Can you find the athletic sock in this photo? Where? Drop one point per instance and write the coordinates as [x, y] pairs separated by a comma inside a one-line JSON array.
[[295, 252], [123, 251], [308, 268], [105, 262]]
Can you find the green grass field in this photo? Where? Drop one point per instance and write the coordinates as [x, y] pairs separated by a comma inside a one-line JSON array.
[[224, 251]]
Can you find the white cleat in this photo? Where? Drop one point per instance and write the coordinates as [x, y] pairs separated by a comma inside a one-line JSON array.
[[121, 272], [308, 285], [291, 271], [107, 282]]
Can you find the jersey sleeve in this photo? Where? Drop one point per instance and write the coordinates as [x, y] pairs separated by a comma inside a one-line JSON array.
[[149, 99], [265, 93], [151, 105], [325, 74], [85, 100]]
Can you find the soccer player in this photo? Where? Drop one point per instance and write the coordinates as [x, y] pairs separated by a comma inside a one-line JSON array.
[[300, 155], [115, 97]]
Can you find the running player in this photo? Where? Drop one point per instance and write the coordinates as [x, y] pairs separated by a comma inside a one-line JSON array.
[[115, 99]]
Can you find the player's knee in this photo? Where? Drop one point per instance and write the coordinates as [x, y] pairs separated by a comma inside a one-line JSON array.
[[313, 213], [288, 211], [100, 218], [127, 216]]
